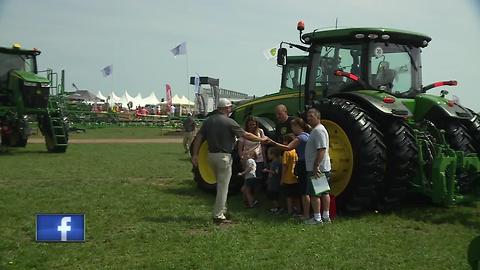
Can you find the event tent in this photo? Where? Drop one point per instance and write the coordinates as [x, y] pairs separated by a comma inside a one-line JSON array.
[[137, 100], [151, 99], [100, 96]]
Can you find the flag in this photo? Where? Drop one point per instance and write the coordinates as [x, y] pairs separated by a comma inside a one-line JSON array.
[[197, 84], [168, 89], [270, 53], [107, 71], [181, 49]]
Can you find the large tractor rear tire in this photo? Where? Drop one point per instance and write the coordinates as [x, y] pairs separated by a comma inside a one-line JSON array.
[[357, 152], [457, 136], [473, 128], [203, 173], [402, 154]]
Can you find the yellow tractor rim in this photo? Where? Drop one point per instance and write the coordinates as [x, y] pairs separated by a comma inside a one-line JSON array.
[[341, 156], [206, 170]]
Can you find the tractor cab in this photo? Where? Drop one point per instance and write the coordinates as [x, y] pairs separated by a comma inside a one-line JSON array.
[[19, 84], [343, 60], [16, 59], [294, 73]]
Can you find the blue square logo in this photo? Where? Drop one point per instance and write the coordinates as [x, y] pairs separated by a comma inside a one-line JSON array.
[[60, 228]]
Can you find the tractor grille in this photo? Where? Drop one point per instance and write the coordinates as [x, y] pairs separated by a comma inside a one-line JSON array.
[[35, 97]]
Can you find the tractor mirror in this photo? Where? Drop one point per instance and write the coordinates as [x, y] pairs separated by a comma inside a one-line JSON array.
[[282, 57]]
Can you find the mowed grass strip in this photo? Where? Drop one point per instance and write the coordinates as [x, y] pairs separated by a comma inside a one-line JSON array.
[[143, 211], [120, 133]]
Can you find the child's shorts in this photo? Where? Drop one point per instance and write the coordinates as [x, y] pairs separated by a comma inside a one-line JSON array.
[[291, 190], [250, 182], [273, 195]]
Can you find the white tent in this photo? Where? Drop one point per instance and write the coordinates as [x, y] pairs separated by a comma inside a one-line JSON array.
[[138, 100], [100, 96], [114, 98], [130, 98], [151, 99], [176, 100], [185, 101]]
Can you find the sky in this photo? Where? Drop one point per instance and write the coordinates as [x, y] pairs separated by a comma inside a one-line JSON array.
[[225, 39]]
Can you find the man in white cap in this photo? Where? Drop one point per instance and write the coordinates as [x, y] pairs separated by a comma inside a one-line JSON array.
[[220, 131]]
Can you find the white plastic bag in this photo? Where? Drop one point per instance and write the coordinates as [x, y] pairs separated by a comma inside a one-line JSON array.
[[320, 184]]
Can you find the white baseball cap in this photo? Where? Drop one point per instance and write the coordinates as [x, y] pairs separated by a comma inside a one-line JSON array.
[[223, 103]]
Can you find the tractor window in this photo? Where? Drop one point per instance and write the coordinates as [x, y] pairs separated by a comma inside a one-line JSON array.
[[337, 57], [10, 62], [294, 76], [394, 68]]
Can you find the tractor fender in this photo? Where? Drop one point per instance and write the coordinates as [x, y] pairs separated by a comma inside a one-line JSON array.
[[372, 104], [442, 111], [267, 125]]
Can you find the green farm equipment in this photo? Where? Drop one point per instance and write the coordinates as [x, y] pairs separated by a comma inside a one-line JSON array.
[[24, 95], [388, 137]]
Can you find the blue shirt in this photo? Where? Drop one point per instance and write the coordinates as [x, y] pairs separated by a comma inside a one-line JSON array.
[[303, 138], [273, 182]]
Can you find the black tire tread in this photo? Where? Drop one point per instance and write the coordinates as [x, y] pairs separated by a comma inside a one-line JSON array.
[[368, 149], [402, 154]]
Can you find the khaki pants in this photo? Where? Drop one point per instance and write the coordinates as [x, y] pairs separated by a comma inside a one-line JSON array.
[[222, 167], [187, 139]]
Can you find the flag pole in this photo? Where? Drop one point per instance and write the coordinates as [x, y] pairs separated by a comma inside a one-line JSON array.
[[113, 81], [188, 81]]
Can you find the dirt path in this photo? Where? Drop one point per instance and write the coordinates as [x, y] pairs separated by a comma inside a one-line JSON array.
[[114, 141]]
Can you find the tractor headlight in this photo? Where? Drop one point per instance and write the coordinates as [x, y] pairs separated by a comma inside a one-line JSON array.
[[45, 85]]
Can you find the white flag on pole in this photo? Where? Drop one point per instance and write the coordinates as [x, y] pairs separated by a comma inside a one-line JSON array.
[[181, 49]]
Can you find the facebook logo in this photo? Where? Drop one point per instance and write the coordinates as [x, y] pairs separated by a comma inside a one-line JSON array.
[[60, 228]]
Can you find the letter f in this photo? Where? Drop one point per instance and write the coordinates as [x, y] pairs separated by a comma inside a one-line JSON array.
[[64, 228]]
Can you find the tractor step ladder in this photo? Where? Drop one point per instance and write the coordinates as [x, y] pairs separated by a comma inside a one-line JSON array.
[[58, 131]]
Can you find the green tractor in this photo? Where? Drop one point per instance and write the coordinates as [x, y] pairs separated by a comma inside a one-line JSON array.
[[388, 136], [25, 95]]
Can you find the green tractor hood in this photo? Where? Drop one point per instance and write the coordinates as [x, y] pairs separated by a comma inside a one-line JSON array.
[[30, 77]]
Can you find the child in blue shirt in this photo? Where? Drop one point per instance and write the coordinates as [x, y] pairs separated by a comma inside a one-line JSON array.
[[274, 174]]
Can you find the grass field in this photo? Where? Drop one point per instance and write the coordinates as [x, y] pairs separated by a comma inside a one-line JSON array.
[[120, 133], [143, 211]]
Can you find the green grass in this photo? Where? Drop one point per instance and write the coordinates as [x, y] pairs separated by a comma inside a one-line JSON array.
[[122, 132], [143, 211]]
